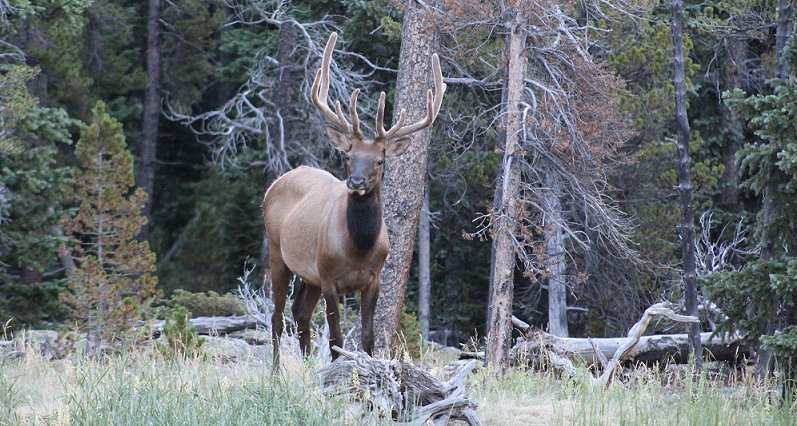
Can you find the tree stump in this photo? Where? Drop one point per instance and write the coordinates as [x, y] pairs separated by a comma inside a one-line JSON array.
[[406, 393]]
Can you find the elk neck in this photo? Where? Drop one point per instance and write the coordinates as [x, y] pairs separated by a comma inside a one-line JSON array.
[[364, 219]]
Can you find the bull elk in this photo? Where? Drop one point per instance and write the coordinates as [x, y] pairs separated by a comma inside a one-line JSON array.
[[330, 232]]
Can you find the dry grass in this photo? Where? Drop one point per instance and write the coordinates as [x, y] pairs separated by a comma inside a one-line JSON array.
[[143, 388]]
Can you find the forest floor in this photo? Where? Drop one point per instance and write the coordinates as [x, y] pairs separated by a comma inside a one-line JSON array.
[[146, 388]]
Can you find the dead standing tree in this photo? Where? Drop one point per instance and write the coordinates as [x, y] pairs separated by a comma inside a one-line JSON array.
[[569, 130], [568, 134], [687, 226], [506, 213]]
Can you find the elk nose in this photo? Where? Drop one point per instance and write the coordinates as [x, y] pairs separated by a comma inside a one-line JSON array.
[[356, 182]]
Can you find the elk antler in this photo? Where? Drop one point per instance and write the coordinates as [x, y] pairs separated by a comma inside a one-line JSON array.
[[320, 90], [433, 102]]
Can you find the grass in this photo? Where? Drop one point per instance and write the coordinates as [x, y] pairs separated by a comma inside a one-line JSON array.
[[141, 388]]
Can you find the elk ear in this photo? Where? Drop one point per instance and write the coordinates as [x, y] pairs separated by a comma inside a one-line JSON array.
[[397, 147], [339, 140]]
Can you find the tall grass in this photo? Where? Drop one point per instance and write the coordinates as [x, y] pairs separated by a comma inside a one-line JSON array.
[[148, 389], [649, 398], [152, 390]]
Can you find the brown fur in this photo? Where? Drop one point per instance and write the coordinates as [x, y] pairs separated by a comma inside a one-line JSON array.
[[305, 216]]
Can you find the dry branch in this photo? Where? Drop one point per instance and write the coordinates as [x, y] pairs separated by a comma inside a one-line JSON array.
[[402, 391]]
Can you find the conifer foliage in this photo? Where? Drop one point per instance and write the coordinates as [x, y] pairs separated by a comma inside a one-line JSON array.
[[113, 279]]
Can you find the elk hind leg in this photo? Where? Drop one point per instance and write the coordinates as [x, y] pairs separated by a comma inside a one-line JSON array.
[[303, 313]]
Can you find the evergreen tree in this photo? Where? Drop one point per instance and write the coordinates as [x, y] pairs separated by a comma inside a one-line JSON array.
[[764, 293], [31, 200], [113, 279]]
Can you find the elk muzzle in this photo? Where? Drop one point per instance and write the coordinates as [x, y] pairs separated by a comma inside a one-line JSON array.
[[356, 184]]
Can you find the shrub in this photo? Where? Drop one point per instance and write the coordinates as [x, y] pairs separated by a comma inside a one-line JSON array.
[[182, 339], [208, 304]]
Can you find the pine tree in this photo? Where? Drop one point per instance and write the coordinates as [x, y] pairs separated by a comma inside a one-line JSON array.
[[114, 278]]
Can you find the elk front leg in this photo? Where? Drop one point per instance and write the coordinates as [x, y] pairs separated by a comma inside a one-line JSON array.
[[367, 305], [280, 278], [333, 319]]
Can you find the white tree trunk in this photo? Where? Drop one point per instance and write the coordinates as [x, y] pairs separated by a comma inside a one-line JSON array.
[[424, 267], [555, 259]]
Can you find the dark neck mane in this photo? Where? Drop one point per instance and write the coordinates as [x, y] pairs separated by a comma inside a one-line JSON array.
[[364, 220]]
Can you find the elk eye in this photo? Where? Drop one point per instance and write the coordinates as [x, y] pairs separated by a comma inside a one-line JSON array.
[[346, 157], [380, 162]]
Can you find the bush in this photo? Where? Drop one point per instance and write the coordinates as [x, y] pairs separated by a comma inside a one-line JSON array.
[[210, 304]]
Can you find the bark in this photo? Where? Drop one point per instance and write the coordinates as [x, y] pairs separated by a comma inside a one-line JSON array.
[[286, 91], [687, 229], [498, 196], [424, 268], [782, 68], [405, 175], [506, 214], [555, 259], [152, 111]]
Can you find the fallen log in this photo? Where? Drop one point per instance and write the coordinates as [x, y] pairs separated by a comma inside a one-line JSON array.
[[649, 349], [401, 391], [609, 353], [214, 326]]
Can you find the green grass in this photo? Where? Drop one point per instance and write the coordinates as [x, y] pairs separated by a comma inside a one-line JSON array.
[[143, 388]]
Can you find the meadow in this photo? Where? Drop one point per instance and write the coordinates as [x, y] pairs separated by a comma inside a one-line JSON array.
[[149, 389]]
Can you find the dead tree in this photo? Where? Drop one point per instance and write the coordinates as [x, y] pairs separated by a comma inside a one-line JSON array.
[[505, 214], [687, 227]]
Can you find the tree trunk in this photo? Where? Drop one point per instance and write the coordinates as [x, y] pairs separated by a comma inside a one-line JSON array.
[[505, 215], [685, 183], [290, 73], [405, 175], [152, 111], [782, 69], [289, 82], [424, 267], [555, 259], [734, 126], [498, 196]]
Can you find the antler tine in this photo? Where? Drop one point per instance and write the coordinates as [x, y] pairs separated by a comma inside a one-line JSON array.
[[355, 119], [433, 103], [320, 90], [380, 119]]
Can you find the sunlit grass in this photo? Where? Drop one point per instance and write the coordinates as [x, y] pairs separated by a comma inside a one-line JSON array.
[[145, 388], [149, 389], [649, 398]]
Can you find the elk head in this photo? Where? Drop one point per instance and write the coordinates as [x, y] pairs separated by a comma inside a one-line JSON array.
[[365, 158]]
